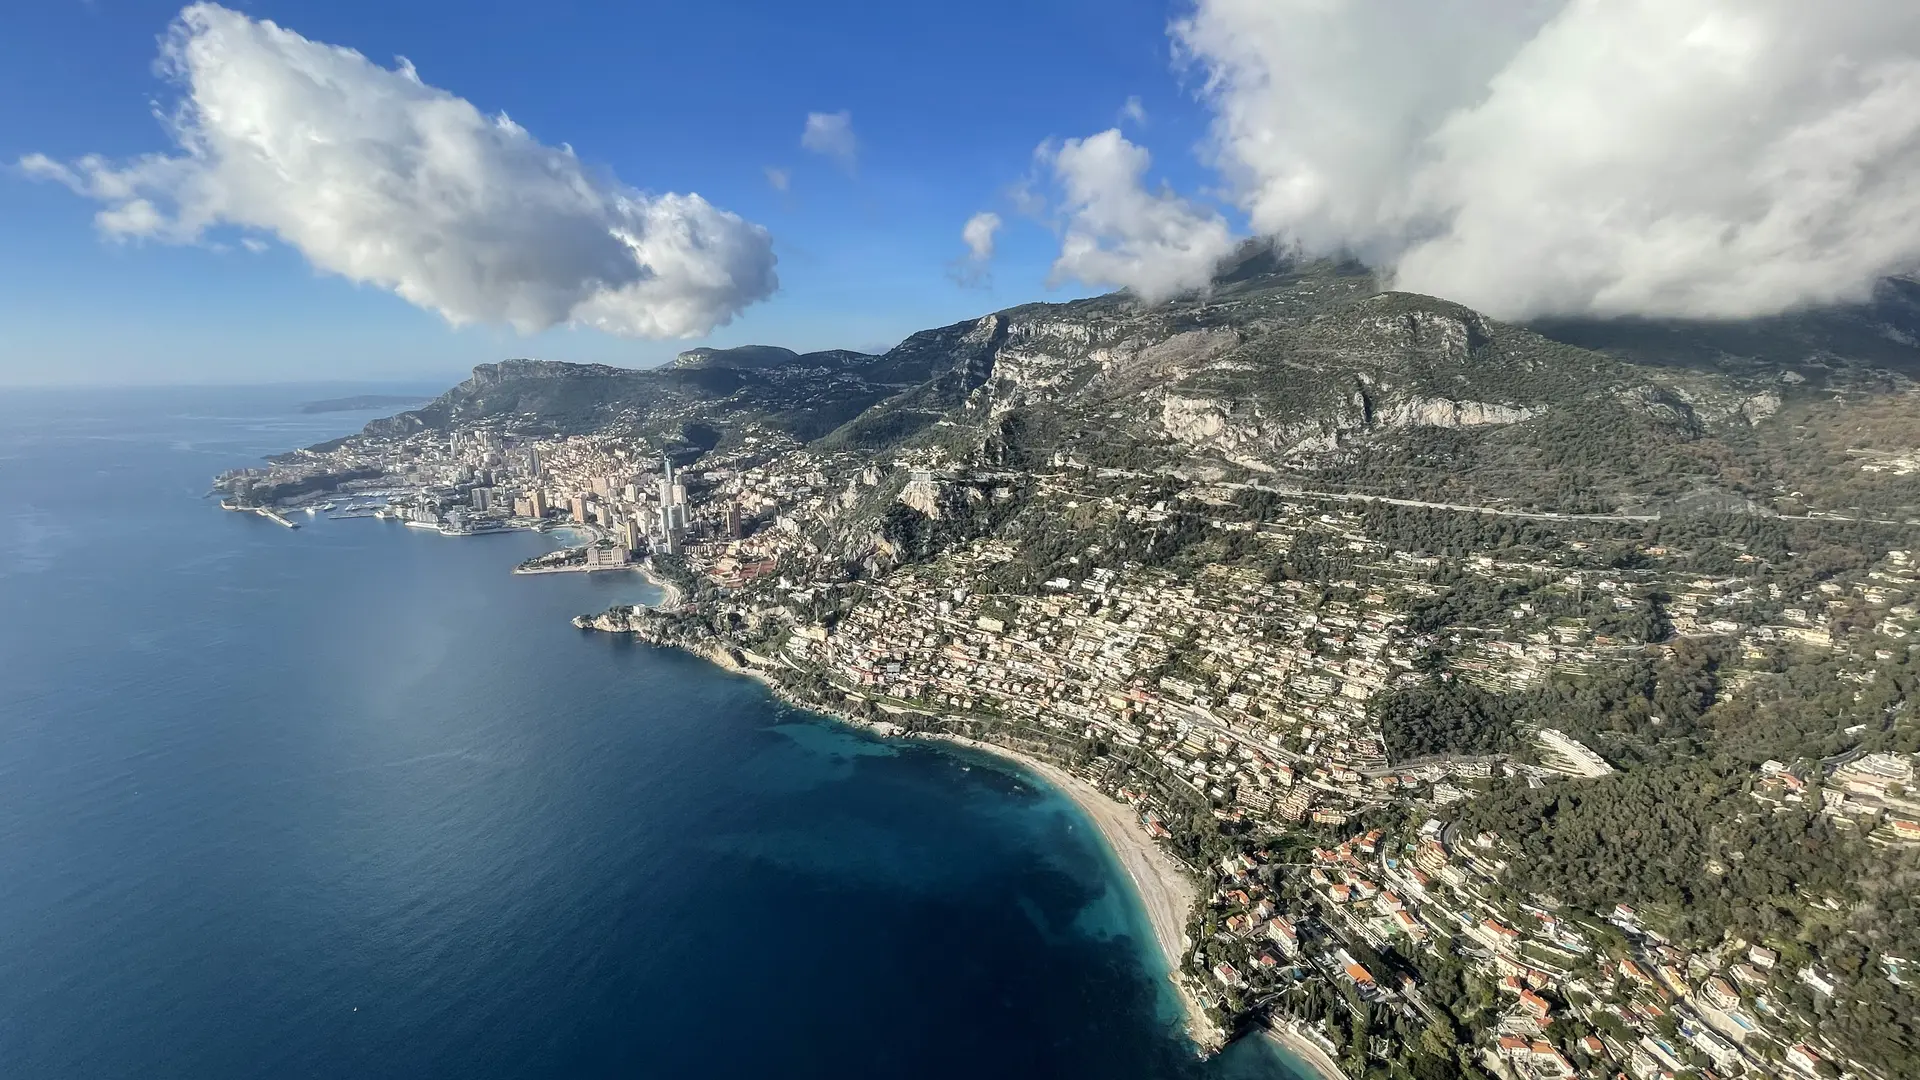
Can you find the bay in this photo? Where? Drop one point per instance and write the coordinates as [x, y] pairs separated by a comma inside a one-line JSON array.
[[353, 801]]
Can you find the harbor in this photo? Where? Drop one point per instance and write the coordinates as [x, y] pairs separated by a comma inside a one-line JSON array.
[[267, 512]]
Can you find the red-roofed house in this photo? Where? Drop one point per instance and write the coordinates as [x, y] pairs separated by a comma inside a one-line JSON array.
[[1549, 1061]]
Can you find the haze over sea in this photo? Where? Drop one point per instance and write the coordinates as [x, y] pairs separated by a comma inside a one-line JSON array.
[[353, 801]]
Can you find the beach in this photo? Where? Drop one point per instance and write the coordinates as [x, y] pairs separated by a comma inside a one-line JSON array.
[[1306, 1051], [670, 601], [1165, 889]]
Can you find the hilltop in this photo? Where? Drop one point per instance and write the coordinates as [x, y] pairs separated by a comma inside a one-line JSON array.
[[1526, 700], [1308, 374]]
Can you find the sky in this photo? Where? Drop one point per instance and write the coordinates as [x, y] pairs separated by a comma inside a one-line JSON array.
[[302, 189]]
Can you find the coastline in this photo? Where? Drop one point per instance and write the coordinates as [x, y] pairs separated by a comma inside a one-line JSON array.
[[672, 597], [1306, 1051], [1164, 890]]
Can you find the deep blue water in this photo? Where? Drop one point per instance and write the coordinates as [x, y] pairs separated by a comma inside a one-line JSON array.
[[352, 801]]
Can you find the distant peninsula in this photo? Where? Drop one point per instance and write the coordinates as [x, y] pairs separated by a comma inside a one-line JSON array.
[[362, 401]]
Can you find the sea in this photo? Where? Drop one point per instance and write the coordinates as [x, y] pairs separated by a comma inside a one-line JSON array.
[[352, 800]]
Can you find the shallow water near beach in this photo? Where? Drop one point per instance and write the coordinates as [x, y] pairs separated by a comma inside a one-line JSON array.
[[352, 800]]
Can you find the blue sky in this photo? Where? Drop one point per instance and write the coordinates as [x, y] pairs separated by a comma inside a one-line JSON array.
[[947, 101], [310, 212]]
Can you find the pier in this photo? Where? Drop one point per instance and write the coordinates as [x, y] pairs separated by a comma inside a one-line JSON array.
[[267, 512]]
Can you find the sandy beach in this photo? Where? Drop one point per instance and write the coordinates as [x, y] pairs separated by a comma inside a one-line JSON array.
[[1306, 1051], [1165, 890], [670, 601]]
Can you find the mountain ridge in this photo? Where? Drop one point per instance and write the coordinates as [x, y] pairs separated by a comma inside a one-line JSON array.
[[1289, 369]]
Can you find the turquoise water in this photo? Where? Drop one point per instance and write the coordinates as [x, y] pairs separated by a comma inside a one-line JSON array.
[[352, 800]]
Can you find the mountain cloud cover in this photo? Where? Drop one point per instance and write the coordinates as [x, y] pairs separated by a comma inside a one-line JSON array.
[[1118, 232], [1704, 158], [380, 178]]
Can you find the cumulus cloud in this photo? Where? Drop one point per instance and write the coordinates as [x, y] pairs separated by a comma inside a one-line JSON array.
[[1119, 233], [970, 270], [831, 135], [978, 233], [1134, 112], [1712, 158], [376, 176]]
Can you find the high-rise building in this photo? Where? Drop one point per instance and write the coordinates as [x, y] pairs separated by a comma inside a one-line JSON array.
[[538, 502], [673, 501], [580, 509], [480, 498], [733, 521], [631, 529], [669, 536]]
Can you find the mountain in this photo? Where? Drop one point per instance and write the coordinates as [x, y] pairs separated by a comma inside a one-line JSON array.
[[1608, 626], [1880, 333], [688, 404], [1306, 373], [765, 357]]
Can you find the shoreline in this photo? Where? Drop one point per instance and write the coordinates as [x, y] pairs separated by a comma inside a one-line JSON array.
[[672, 597], [1165, 892], [1306, 1051]]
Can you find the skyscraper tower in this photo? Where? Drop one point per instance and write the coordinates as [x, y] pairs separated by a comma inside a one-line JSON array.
[[669, 538], [673, 502]]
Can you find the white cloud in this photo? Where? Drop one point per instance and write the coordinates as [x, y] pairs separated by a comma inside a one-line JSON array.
[[378, 177], [970, 271], [1133, 112], [1719, 158], [831, 135], [778, 179], [978, 234], [1119, 233], [1024, 194]]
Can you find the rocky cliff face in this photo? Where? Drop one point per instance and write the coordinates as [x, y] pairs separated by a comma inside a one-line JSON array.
[[489, 376], [1281, 366]]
